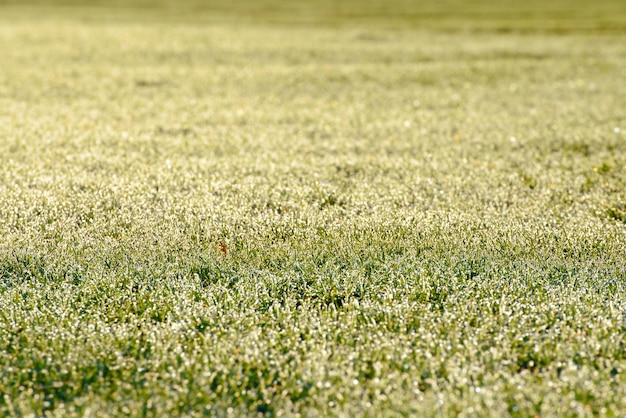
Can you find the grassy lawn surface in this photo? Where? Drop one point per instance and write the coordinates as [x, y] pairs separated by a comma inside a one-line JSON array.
[[312, 208]]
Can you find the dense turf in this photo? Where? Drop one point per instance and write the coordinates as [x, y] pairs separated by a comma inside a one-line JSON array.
[[316, 208]]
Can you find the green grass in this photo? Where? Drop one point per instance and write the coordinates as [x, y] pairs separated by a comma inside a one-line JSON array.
[[316, 209]]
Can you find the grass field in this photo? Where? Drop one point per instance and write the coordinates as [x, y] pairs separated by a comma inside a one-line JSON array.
[[313, 208]]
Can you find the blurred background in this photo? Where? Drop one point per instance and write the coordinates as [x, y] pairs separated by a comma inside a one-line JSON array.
[[449, 15]]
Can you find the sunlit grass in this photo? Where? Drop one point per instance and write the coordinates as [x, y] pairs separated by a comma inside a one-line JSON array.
[[213, 214]]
